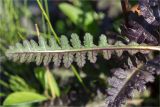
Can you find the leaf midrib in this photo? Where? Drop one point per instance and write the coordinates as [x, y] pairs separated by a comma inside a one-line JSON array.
[[153, 48]]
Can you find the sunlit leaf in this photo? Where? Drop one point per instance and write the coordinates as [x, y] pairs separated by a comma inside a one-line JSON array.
[[23, 97]]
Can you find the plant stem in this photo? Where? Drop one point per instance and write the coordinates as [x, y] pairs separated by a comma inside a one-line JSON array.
[[43, 21], [79, 78], [37, 30], [47, 11]]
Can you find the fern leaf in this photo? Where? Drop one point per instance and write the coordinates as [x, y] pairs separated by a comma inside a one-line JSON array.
[[119, 52], [19, 47], [123, 87], [132, 52], [42, 43], [103, 43], [154, 65], [34, 47], [39, 58], [10, 56], [47, 59], [26, 48], [67, 57], [76, 43], [29, 48], [56, 57], [53, 44], [51, 52], [80, 56], [88, 43], [27, 45], [124, 82]]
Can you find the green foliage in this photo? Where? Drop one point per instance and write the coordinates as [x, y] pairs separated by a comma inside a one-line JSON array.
[[48, 20], [16, 83], [11, 15], [19, 84], [74, 14], [23, 97], [2, 94], [82, 18], [40, 75]]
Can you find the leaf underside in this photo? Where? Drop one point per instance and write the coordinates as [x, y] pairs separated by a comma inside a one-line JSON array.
[[125, 81], [46, 51]]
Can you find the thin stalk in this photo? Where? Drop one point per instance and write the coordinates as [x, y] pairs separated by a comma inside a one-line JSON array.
[[20, 35], [37, 30], [43, 21], [47, 11], [46, 8], [48, 21], [6, 85], [79, 78]]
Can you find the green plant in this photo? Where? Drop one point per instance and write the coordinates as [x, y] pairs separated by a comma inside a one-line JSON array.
[[83, 18]]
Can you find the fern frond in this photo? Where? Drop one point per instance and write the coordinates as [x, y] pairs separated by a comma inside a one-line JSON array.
[[124, 82], [49, 51], [103, 43], [80, 57], [153, 65], [88, 43], [67, 57]]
